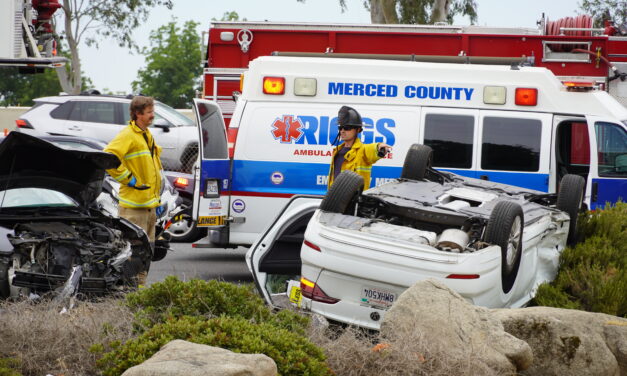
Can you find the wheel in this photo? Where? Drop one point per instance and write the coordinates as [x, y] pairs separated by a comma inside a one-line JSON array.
[[184, 231], [418, 159], [343, 194], [505, 229], [570, 199]]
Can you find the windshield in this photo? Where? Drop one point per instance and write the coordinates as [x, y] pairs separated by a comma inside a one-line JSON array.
[[34, 197], [612, 149], [179, 119]]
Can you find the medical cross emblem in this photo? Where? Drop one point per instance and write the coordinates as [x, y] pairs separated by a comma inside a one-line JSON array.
[[287, 129]]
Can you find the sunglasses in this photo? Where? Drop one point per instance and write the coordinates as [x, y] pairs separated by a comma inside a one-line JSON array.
[[346, 127]]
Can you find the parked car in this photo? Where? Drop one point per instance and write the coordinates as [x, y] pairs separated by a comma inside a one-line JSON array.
[[103, 116], [492, 243], [182, 230], [53, 236]]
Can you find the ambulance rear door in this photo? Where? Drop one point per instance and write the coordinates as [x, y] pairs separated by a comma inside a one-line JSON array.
[[607, 181], [212, 188]]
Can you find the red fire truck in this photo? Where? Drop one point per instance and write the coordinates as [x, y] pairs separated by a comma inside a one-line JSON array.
[[571, 48]]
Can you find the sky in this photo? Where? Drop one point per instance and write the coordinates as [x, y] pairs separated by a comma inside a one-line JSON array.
[[114, 68]]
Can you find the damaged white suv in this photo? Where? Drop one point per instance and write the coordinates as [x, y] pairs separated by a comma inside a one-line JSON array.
[[492, 243]]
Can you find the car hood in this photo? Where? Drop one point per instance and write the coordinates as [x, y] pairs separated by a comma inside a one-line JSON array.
[[27, 161]]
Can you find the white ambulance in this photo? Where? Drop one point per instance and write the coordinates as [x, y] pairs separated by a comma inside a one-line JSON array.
[[509, 124]]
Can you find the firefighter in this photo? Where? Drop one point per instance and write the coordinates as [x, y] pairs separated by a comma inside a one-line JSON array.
[[139, 174], [352, 154]]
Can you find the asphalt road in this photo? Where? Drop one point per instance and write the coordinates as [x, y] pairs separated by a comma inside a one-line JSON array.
[[205, 263]]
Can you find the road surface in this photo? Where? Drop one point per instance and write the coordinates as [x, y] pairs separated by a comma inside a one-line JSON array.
[[205, 263]]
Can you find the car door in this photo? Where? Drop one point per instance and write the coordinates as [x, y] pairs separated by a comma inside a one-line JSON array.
[[607, 180], [211, 190], [274, 259], [96, 119]]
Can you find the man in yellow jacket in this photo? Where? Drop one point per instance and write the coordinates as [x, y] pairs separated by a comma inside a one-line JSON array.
[[352, 154], [139, 172]]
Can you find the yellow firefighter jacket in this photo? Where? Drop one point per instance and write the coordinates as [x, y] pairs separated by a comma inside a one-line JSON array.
[[139, 157], [359, 159]]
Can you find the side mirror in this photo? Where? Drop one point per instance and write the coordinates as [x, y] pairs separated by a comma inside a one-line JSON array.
[[163, 124]]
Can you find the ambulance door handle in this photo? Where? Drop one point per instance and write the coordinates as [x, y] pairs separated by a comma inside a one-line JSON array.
[[595, 191], [484, 177]]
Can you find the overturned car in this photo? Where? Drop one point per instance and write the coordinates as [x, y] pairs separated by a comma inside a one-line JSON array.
[[53, 235], [492, 243]]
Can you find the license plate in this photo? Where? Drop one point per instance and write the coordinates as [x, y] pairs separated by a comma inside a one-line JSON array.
[[216, 220], [376, 297], [293, 291]]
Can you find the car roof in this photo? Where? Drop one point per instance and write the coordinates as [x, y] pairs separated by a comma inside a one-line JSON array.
[[88, 97]]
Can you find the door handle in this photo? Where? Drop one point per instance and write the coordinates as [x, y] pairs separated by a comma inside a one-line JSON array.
[[484, 177], [595, 192]]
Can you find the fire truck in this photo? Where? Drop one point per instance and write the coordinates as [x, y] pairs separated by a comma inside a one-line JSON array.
[[570, 47], [27, 35]]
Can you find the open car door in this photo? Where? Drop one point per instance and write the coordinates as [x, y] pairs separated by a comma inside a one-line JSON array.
[[274, 259], [210, 203], [607, 181]]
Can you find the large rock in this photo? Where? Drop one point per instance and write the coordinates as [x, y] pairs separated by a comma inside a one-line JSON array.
[[569, 342], [437, 314], [190, 359]]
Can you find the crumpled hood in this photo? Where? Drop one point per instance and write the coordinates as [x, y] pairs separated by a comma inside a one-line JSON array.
[[27, 161]]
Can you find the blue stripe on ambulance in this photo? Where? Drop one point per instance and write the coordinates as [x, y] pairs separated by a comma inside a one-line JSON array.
[[215, 169], [608, 190], [307, 178]]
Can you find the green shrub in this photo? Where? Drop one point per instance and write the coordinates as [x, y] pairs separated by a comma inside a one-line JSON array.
[[593, 274], [9, 367], [174, 298], [293, 353]]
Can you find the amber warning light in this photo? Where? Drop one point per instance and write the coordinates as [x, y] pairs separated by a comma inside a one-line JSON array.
[[274, 85]]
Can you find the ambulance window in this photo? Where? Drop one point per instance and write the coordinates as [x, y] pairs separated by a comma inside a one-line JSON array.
[[612, 149], [450, 137], [511, 144], [213, 131]]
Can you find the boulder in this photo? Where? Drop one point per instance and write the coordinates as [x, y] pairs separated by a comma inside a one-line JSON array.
[[569, 342], [180, 357], [431, 311]]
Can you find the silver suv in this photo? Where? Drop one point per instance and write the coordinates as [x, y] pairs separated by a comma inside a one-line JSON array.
[[103, 116]]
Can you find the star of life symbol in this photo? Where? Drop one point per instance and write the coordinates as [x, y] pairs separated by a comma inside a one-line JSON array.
[[287, 129]]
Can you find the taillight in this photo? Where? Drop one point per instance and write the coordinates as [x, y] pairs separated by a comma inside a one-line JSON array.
[[22, 123], [274, 85], [526, 96], [311, 245], [310, 290], [231, 137], [181, 182], [463, 276]]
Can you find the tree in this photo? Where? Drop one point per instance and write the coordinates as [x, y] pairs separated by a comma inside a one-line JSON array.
[[88, 21], [417, 11], [173, 68], [18, 89], [601, 10]]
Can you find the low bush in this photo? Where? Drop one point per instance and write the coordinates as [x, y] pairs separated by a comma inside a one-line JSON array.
[[293, 354], [174, 298], [40, 340], [9, 367], [593, 274]]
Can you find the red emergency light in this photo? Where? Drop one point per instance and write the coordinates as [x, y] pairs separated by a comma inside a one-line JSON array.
[[526, 96]]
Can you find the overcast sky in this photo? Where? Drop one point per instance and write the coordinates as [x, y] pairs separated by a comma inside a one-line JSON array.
[[114, 68]]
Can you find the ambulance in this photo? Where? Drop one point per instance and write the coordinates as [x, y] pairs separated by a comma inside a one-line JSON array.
[[512, 124]]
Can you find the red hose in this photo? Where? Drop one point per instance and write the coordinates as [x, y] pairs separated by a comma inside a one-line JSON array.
[[581, 21]]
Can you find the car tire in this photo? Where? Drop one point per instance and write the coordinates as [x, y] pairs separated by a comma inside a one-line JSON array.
[[343, 194], [505, 229], [570, 200], [184, 231], [417, 161]]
